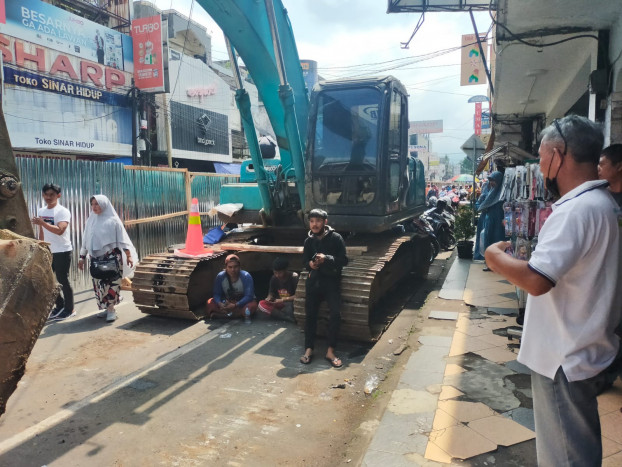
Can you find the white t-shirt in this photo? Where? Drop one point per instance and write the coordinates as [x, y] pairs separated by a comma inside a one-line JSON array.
[[58, 243], [573, 324]]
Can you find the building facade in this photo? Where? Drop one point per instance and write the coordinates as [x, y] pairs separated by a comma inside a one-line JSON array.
[[66, 80]]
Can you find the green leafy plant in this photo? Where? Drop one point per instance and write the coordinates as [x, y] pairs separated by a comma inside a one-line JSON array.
[[464, 228]]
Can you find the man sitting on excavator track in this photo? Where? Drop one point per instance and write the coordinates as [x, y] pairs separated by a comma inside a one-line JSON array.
[[234, 292], [324, 256]]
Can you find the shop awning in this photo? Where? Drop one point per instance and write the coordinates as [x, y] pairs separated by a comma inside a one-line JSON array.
[[508, 152]]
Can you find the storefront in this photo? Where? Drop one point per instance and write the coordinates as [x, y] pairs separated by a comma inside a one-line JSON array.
[[66, 81]]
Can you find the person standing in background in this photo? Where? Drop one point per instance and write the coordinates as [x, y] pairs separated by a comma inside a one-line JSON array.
[[610, 169], [105, 238], [53, 221], [492, 211]]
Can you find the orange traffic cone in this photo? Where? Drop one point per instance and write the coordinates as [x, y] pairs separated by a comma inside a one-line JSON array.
[[194, 237]]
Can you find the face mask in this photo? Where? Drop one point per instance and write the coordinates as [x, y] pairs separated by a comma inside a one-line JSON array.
[[551, 184], [552, 187]]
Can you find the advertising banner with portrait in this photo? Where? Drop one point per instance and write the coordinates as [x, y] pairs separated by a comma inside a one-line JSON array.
[[58, 29]]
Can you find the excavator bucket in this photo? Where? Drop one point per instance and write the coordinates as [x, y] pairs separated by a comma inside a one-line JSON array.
[[27, 292]]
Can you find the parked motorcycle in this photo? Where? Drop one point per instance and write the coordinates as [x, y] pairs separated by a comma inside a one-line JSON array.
[[441, 227], [422, 225]]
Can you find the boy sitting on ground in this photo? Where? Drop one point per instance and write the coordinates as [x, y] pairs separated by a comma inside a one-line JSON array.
[[279, 303]]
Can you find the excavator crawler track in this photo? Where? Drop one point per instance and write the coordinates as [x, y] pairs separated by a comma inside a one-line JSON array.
[[365, 280], [166, 285], [174, 287]]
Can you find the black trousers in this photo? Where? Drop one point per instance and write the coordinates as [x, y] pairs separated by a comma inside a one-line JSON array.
[[317, 291], [60, 265]]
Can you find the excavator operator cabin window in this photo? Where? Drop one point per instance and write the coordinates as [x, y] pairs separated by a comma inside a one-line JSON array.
[[345, 146], [395, 144]]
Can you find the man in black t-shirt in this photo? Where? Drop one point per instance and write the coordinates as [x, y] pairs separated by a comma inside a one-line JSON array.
[[324, 256], [279, 303]]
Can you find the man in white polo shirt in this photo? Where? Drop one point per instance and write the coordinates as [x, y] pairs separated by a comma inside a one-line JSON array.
[[574, 299], [53, 221]]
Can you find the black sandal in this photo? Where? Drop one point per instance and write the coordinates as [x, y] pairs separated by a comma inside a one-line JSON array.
[[306, 359]]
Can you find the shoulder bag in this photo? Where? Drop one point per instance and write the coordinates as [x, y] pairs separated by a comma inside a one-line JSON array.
[[107, 268]]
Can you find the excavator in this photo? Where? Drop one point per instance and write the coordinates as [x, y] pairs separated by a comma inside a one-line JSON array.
[[27, 284], [342, 148]]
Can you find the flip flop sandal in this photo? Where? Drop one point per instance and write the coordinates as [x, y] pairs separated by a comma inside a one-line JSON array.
[[306, 359], [334, 362]]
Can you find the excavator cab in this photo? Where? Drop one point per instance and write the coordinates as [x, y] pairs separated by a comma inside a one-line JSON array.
[[357, 164]]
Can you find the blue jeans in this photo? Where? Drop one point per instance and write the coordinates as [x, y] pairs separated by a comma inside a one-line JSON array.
[[567, 423]]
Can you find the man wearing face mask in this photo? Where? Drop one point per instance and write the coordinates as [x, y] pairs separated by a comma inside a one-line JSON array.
[[575, 295], [324, 256]]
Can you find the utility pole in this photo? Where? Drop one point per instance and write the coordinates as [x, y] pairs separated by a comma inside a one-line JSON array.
[[167, 128], [134, 116]]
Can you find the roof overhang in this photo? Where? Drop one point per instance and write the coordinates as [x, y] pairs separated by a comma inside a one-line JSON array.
[[508, 152], [541, 79]]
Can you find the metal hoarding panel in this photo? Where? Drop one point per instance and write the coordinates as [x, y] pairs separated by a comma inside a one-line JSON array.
[[135, 194]]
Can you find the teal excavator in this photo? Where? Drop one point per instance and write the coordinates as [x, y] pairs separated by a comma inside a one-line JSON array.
[[342, 148]]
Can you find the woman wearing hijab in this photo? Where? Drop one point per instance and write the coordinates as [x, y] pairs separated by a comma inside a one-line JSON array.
[[491, 208], [105, 238], [480, 221]]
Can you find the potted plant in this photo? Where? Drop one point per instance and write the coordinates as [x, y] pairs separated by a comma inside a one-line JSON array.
[[464, 231]]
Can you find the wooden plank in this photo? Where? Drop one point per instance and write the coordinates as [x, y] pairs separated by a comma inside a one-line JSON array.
[[351, 250], [155, 218], [153, 169], [204, 174]]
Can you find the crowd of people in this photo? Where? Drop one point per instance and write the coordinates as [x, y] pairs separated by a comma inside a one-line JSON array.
[[110, 254], [454, 193]]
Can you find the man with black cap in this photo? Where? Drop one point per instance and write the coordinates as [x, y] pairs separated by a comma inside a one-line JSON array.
[[324, 256]]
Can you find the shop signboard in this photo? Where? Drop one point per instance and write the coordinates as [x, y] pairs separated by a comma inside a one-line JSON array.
[[58, 29], [424, 127], [63, 103], [472, 67], [309, 73], [200, 131], [41, 120], [478, 118], [149, 66], [485, 120]]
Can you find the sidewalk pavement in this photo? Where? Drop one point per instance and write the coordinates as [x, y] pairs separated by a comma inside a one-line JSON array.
[[462, 398]]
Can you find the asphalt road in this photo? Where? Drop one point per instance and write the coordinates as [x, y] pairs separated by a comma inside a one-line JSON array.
[[153, 391]]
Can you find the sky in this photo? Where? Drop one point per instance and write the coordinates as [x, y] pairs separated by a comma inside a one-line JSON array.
[[357, 37]]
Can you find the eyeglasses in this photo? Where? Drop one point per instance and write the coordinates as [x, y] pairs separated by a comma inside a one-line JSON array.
[[559, 130]]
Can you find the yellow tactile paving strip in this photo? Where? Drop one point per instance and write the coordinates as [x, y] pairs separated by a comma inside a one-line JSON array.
[[462, 430]]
